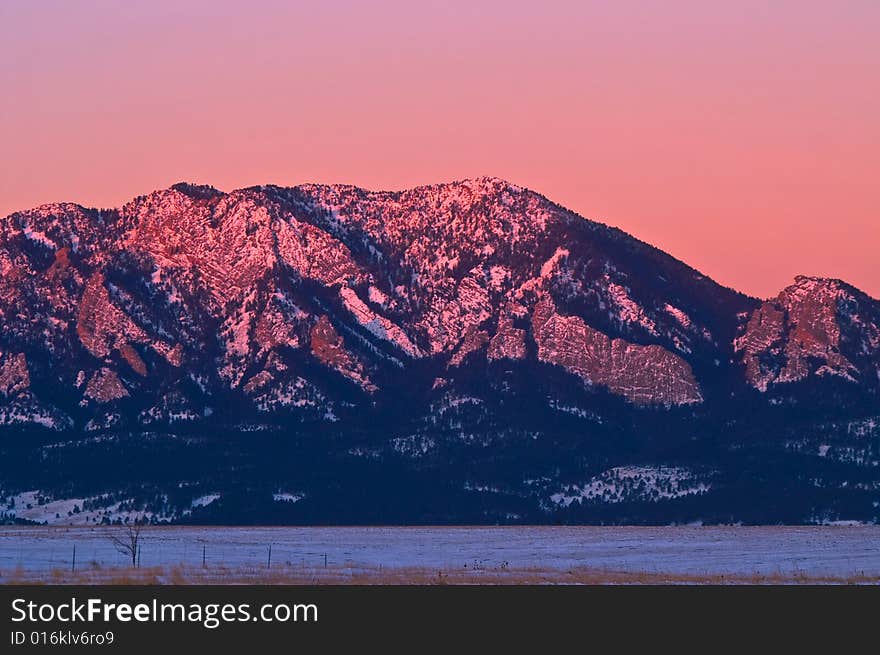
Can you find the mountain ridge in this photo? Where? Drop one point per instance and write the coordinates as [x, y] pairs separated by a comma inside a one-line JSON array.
[[210, 190], [417, 326]]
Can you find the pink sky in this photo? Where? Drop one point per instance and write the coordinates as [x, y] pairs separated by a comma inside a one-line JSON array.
[[741, 137]]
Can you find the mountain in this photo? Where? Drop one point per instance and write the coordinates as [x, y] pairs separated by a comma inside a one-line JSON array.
[[463, 352], [813, 328]]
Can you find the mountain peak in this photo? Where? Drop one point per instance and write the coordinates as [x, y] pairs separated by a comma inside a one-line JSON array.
[[817, 282], [483, 185], [815, 326], [245, 287], [197, 191], [806, 288], [488, 182], [452, 325]]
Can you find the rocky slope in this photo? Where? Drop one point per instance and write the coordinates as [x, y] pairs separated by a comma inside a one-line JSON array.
[[427, 312], [815, 327]]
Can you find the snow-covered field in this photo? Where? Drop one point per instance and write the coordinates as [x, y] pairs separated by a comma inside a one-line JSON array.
[[815, 551]]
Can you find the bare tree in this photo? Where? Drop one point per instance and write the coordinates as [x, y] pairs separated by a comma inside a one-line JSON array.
[[127, 542]]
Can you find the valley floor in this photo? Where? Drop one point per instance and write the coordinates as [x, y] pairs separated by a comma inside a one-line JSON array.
[[446, 555], [341, 575]]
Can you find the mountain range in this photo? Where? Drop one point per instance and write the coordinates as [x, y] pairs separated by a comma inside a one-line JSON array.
[[467, 352]]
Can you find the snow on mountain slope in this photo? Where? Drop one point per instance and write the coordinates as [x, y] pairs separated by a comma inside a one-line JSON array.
[[815, 327], [311, 300]]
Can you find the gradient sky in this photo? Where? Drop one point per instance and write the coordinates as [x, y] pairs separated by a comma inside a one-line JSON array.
[[741, 137]]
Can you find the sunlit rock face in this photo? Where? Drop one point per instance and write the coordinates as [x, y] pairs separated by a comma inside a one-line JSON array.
[[642, 374], [815, 327], [310, 302]]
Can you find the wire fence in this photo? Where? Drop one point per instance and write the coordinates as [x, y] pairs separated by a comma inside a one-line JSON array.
[[78, 555], [817, 551]]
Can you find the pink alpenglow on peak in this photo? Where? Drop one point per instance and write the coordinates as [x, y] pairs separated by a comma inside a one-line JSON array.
[[298, 300]]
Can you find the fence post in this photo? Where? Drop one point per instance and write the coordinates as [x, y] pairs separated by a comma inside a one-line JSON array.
[[204, 548], [325, 560], [269, 561], [73, 562]]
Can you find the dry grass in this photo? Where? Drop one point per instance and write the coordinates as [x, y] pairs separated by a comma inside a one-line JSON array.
[[337, 575]]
